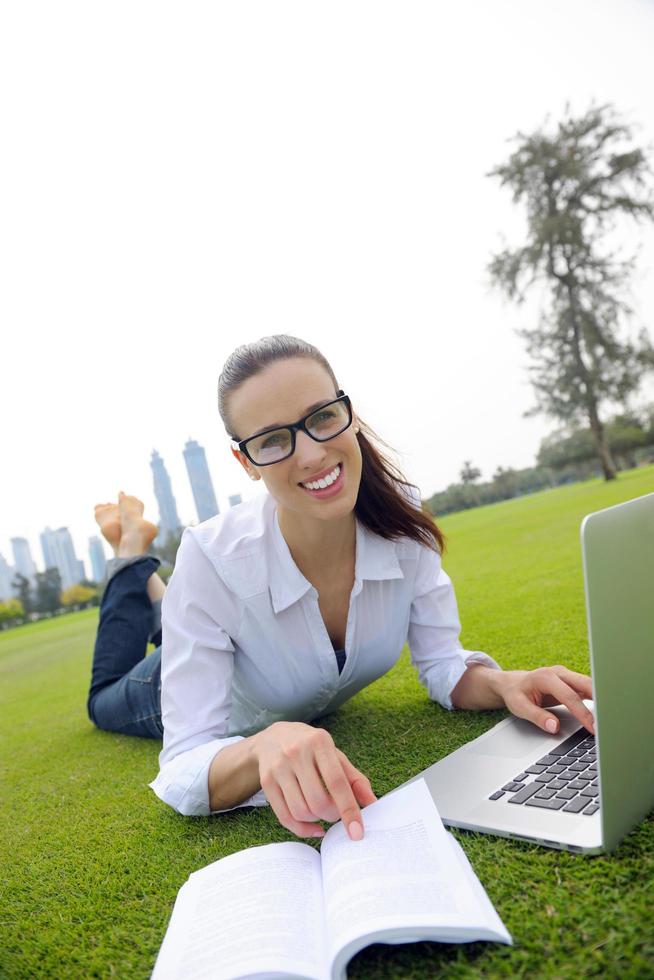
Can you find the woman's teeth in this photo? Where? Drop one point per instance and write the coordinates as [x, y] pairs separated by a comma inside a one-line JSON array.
[[326, 481]]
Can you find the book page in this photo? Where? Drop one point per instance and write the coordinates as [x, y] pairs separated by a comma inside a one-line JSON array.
[[403, 875], [259, 911]]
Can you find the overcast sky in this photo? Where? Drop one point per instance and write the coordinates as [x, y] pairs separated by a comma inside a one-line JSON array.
[[178, 179]]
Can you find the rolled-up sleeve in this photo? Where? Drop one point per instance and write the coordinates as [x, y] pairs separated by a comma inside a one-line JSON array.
[[197, 666], [434, 629]]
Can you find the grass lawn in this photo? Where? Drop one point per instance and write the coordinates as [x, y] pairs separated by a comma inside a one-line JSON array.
[[92, 860]]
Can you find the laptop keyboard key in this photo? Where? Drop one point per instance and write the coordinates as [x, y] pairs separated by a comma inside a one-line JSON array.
[[555, 770], [566, 794], [574, 806], [556, 784], [579, 766], [536, 770], [553, 804], [545, 794], [525, 793], [520, 777], [547, 760], [544, 777], [496, 796], [593, 808], [577, 784], [512, 787], [589, 791], [569, 743]]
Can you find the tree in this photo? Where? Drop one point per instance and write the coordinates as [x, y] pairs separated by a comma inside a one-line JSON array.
[[560, 449], [469, 473], [23, 587], [11, 611], [576, 182], [48, 590], [77, 595]]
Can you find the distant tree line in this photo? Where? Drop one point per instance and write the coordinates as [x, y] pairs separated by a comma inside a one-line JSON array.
[[563, 457], [44, 597]]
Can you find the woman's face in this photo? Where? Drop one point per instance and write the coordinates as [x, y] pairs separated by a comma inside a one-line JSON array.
[[284, 392]]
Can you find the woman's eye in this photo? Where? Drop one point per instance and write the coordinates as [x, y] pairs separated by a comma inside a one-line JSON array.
[[273, 440]]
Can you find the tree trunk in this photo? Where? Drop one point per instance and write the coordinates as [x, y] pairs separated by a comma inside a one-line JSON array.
[[596, 427], [603, 451]]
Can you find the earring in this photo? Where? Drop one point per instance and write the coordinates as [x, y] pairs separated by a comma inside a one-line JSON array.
[[356, 428]]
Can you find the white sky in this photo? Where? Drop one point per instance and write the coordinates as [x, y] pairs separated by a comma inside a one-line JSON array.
[[178, 179]]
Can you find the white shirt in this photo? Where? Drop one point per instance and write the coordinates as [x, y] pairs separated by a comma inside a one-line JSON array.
[[245, 645]]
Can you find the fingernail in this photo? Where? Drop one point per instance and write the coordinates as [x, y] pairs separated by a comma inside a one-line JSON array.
[[356, 830], [551, 725], [319, 833]]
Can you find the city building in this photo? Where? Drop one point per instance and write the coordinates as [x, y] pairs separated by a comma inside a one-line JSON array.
[[59, 552], [169, 522], [23, 558], [234, 499], [98, 558], [200, 479], [7, 573]]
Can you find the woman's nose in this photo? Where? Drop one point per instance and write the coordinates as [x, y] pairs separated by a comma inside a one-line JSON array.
[[309, 453]]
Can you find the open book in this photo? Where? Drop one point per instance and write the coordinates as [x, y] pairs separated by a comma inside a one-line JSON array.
[[287, 910]]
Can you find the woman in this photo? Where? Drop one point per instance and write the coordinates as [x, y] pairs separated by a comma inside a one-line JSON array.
[[283, 608]]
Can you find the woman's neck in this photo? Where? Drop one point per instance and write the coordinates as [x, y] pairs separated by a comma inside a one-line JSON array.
[[319, 547]]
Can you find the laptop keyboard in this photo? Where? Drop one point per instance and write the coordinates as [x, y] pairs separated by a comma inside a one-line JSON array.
[[564, 779]]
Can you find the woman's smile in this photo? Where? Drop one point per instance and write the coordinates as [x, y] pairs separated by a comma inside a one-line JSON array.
[[325, 484]]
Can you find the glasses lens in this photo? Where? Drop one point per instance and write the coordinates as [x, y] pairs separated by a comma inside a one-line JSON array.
[[271, 446], [328, 421]]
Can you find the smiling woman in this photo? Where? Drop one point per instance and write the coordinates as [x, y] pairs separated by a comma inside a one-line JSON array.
[[286, 606]]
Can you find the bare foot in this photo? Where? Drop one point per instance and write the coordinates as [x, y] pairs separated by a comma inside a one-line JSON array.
[[137, 533], [108, 520]]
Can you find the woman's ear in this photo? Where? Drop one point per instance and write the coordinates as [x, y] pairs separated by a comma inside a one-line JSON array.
[[245, 463]]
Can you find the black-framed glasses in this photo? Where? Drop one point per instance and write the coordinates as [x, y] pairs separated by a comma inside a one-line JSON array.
[[278, 443]]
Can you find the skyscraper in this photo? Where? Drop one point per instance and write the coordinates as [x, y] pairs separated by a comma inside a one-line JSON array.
[[169, 522], [98, 558], [59, 552], [6, 575], [234, 499], [23, 558], [200, 478]]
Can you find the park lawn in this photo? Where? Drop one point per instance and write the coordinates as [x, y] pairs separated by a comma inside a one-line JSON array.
[[92, 860]]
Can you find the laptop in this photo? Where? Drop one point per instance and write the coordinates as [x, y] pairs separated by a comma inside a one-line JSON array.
[[573, 790]]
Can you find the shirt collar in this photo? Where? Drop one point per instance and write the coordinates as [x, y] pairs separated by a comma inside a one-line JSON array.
[[376, 559]]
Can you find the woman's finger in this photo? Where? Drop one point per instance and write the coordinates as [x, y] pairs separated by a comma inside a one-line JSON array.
[[360, 784], [338, 785], [522, 706], [526, 701], [553, 684], [277, 800], [581, 683]]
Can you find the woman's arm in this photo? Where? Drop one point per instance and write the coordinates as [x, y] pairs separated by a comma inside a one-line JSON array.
[[233, 775]]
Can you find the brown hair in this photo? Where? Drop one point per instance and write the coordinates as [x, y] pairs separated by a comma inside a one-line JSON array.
[[385, 504]]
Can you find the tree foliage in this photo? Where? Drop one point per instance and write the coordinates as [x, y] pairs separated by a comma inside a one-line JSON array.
[[576, 181], [78, 595], [48, 590]]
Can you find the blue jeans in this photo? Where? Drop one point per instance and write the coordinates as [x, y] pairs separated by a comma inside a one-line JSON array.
[[125, 693]]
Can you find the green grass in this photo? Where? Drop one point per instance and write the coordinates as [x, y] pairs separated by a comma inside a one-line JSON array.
[[92, 861]]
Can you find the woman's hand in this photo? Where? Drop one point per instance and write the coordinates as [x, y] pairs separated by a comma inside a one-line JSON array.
[[306, 778], [527, 693]]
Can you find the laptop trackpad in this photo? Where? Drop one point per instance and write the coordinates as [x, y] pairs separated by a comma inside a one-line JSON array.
[[516, 738]]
